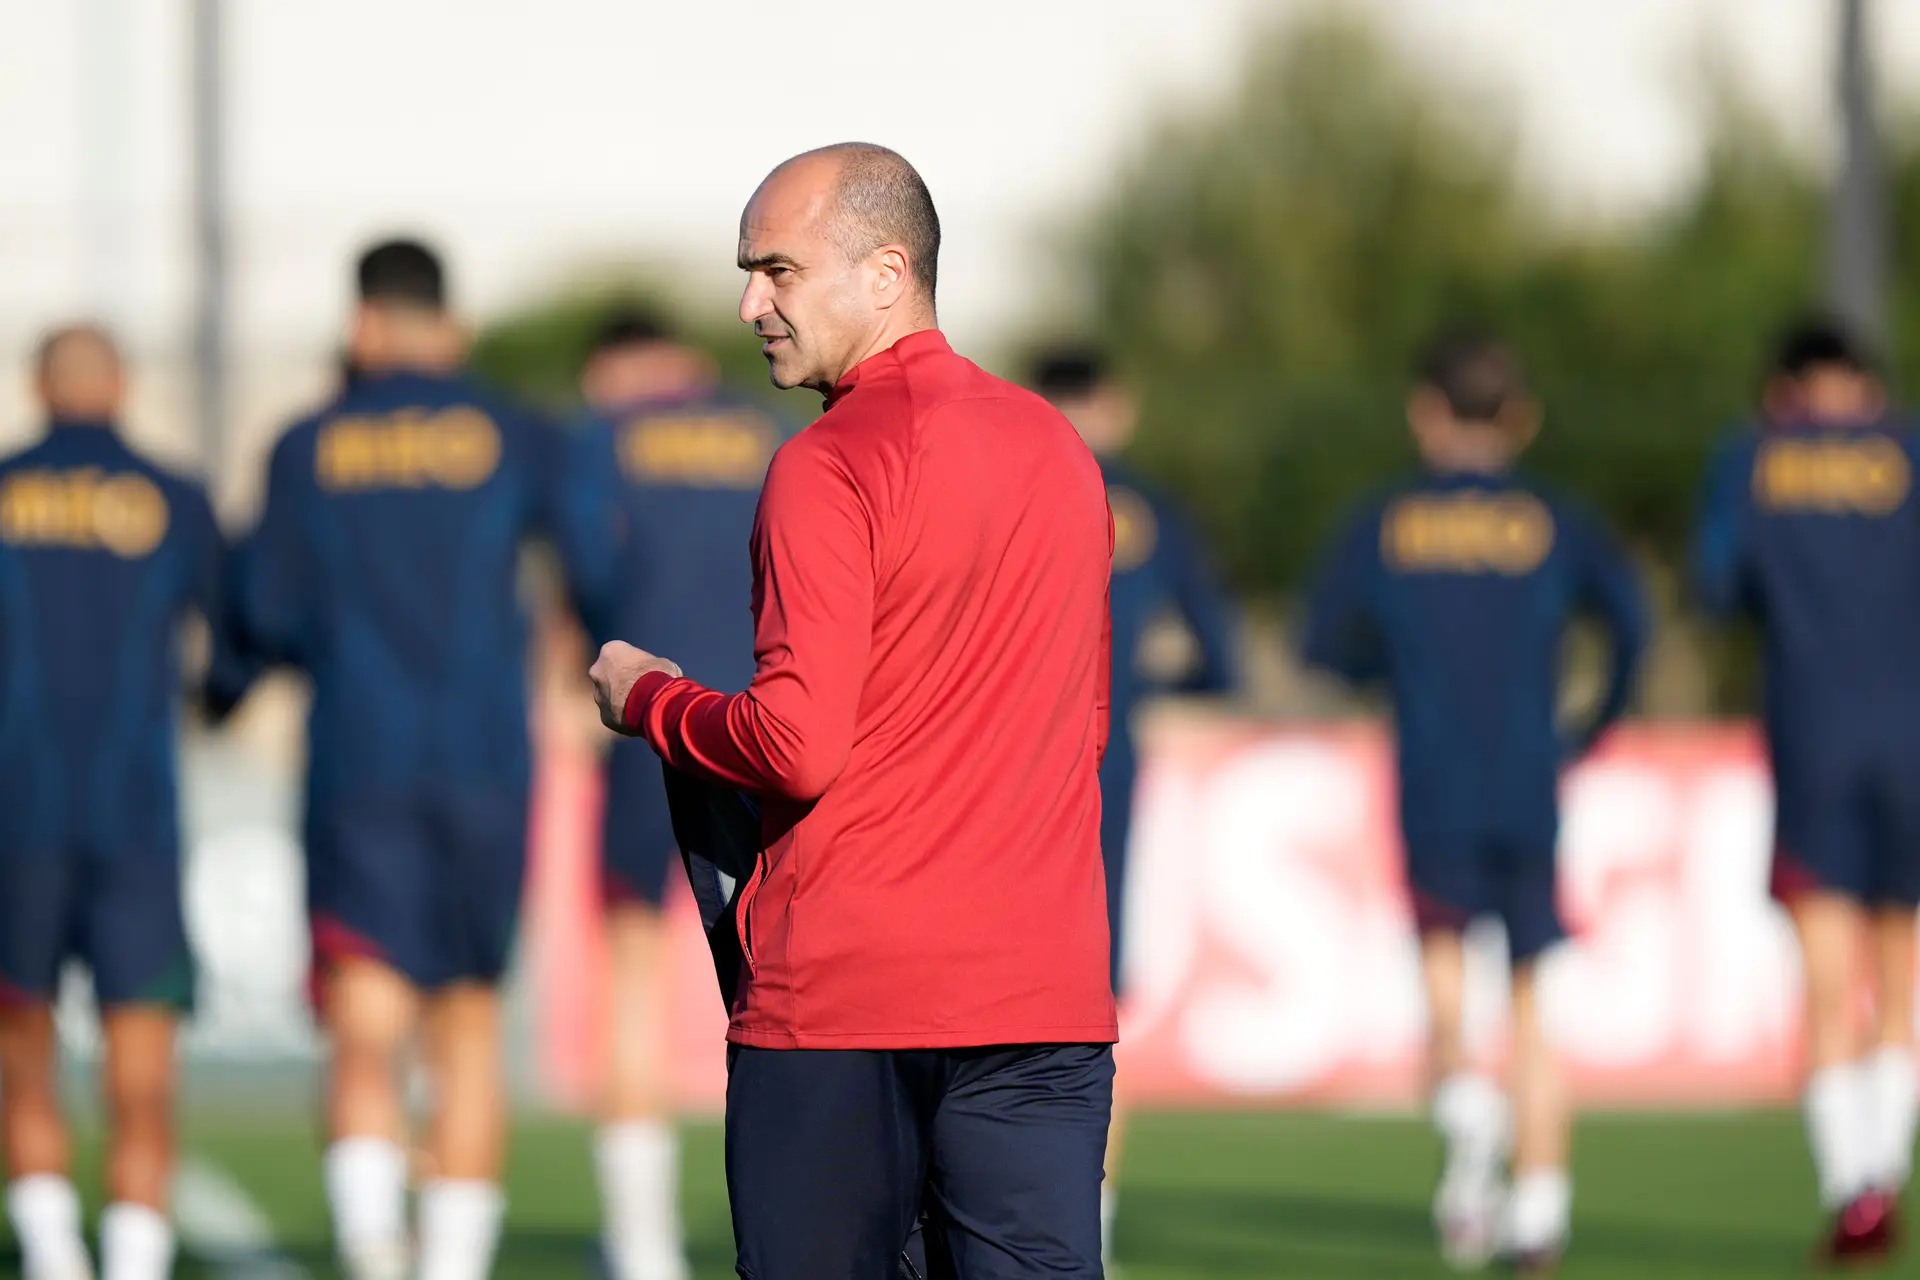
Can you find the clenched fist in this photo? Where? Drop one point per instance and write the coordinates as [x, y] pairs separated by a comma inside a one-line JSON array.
[[615, 672]]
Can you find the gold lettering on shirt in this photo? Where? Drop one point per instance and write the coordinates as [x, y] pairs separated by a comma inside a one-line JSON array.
[[709, 451], [85, 509], [454, 448], [1868, 477], [1136, 531], [1466, 533]]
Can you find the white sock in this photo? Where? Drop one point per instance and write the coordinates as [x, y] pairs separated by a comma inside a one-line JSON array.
[[45, 1212], [459, 1228], [1892, 1099], [1539, 1212], [639, 1167], [1109, 1209], [136, 1243], [1474, 1120], [1838, 1130], [367, 1195]]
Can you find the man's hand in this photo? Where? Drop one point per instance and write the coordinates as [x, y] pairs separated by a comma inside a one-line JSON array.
[[614, 673]]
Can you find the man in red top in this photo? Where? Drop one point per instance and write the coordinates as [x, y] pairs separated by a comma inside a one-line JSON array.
[[925, 1008]]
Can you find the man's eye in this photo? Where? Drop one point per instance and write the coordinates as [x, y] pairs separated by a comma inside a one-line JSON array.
[[777, 272]]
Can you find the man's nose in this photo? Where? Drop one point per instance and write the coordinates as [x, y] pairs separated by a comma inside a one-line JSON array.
[[754, 300]]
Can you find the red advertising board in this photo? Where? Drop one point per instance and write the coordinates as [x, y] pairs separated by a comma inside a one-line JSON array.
[[1271, 958]]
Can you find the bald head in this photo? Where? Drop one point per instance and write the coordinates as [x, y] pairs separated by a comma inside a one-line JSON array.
[[842, 247], [79, 374], [877, 199]]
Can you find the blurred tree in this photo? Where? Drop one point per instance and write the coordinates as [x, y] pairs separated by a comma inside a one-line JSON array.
[[1266, 270]]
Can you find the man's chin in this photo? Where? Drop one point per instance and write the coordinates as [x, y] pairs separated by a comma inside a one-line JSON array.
[[783, 375]]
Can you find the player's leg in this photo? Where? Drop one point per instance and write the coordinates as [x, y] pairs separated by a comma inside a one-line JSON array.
[[35, 893], [1018, 1145], [135, 943], [461, 1206], [136, 1234], [1890, 1070], [1892, 1097], [478, 844], [827, 1156], [636, 1151], [1539, 1210], [41, 1202], [369, 880], [1468, 1107], [369, 1010], [1821, 874], [1117, 788]]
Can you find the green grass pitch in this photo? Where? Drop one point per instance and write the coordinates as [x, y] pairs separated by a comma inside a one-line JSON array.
[[1216, 1196]]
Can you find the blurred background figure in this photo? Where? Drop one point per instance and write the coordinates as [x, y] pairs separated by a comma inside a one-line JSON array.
[[1810, 529], [690, 461], [384, 566], [104, 557], [1160, 575], [1458, 590]]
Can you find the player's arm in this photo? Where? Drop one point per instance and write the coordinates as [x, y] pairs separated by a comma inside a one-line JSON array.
[[1342, 634], [791, 732], [1610, 587], [579, 511], [275, 569], [1720, 565], [1205, 608], [231, 671]]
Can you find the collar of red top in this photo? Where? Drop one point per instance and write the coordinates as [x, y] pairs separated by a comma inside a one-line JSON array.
[[923, 342]]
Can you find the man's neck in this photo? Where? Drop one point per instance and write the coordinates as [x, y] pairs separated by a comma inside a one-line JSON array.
[[891, 330]]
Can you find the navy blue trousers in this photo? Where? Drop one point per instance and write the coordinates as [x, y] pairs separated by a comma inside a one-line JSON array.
[[831, 1154]]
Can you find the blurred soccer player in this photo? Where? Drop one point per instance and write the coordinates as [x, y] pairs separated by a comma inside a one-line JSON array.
[[691, 462], [1458, 589], [1811, 529], [923, 1016], [384, 566], [1159, 573], [102, 555]]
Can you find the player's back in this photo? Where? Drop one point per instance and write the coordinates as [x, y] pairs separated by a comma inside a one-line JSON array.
[[386, 565], [1817, 530], [101, 555], [691, 470], [1459, 590]]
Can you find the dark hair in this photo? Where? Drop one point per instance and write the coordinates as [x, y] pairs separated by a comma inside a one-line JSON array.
[[1478, 375], [1066, 372], [881, 199], [405, 272], [1814, 341], [630, 326]]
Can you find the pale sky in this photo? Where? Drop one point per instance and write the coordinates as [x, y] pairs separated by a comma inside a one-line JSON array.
[[537, 139]]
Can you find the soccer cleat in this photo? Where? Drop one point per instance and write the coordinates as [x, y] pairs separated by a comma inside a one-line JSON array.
[[74, 1269], [1466, 1216], [1864, 1233], [390, 1262], [1538, 1264]]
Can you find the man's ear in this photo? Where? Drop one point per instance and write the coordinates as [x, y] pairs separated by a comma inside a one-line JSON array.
[[1521, 417], [893, 275]]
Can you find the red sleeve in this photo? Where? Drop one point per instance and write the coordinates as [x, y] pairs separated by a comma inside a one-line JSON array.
[[1103, 693], [791, 732]]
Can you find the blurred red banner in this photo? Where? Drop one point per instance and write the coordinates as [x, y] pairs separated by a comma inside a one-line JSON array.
[[1271, 959]]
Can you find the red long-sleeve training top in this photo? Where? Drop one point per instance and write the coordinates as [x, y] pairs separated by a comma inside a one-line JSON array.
[[925, 724]]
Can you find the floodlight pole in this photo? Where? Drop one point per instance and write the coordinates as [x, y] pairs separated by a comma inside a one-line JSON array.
[[1857, 250], [209, 235]]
